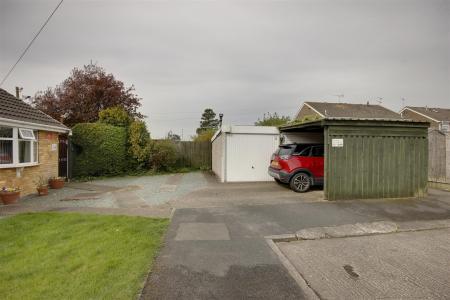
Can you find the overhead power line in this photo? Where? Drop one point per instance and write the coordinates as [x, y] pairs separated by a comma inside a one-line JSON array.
[[31, 43]]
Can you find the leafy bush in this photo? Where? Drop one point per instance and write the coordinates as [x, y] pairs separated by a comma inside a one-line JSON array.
[[273, 120], [205, 135], [100, 149], [163, 155], [139, 143], [116, 116]]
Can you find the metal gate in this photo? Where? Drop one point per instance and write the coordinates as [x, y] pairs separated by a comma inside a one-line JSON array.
[[62, 156]]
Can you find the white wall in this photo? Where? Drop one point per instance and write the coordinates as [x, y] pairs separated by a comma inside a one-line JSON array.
[[248, 156], [218, 158], [447, 155]]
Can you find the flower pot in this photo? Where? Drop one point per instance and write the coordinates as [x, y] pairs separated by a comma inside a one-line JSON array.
[[42, 190], [9, 197], [56, 183]]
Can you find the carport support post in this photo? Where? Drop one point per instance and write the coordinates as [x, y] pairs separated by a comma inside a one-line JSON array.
[[325, 173]]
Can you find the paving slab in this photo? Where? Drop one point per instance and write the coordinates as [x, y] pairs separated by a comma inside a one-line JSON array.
[[167, 188], [82, 196], [347, 230], [389, 266], [91, 187], [423, 225], [128, 199], [202, 232]]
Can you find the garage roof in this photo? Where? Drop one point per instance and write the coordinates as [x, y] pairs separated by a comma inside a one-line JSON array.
[[246, 129]]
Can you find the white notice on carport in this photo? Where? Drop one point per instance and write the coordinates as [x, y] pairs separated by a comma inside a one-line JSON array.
[[337, 142]]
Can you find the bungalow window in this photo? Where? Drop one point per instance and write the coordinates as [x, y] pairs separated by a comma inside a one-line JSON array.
[[18, 147], [6, 145], [26, 134]]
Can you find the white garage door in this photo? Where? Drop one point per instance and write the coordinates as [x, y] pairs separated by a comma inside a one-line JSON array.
[[248, 156]]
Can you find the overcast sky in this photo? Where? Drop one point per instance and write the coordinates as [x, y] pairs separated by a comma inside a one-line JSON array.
[[240, 58]]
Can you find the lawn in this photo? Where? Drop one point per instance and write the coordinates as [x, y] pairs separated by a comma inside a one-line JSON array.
[[76, 256]]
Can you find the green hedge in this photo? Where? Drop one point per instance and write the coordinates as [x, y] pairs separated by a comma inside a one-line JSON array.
[[100, 149]]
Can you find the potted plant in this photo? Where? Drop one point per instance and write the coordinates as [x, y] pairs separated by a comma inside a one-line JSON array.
[[9, 195], [56, 182], [41, 186]]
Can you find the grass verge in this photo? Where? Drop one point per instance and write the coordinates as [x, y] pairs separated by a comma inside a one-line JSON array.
[[76, 256]]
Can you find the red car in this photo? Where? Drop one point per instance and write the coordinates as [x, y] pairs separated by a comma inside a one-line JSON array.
[[299, 165]]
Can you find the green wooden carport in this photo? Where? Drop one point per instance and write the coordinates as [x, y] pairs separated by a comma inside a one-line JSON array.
[[371, 158]]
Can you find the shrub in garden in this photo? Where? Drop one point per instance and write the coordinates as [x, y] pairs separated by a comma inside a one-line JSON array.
[[205, 135], [139, 143], [116, 116], [100, 149], [163, 155]]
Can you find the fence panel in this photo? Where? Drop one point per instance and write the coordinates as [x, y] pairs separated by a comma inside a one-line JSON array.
[[438, 156], [194, 154]]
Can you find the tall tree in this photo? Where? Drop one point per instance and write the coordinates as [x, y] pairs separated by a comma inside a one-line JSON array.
[[272, 120], [84, 94], [208, 121]]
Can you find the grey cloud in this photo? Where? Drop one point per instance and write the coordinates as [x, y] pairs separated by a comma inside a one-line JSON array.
[[241, 58]]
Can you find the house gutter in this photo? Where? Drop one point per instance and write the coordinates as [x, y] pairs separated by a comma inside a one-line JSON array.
[[16, 123]]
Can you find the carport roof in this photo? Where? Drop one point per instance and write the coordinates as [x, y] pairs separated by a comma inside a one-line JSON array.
[[319, 124]]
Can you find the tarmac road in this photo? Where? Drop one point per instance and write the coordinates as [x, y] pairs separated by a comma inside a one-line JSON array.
[[220, 252]]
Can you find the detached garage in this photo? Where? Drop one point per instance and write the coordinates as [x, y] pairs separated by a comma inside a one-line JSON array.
[[242, 153]]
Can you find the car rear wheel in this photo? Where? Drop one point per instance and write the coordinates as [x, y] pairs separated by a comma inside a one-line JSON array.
[[300, 182]]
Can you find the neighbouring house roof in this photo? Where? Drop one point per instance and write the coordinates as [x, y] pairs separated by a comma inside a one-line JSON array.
[[14, 109], [349, 110], [436, 114]]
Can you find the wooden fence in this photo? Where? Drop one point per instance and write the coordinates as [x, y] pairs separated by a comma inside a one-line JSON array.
[[194, 154], [439, 156]]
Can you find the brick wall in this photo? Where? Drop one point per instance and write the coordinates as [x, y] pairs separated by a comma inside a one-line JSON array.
[[48, 166]]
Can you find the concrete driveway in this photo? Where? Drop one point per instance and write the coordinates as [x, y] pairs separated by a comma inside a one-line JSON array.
[[156, 196]]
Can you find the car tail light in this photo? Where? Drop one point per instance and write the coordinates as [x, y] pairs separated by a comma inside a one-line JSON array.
[[275, 164]]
